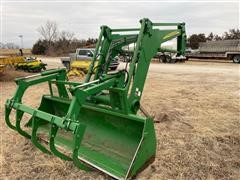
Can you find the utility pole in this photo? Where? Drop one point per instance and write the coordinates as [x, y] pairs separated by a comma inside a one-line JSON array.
[[21, 40]]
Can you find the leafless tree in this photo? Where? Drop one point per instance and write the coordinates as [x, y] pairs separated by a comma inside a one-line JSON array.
[[49, 31], [217, 37], [66, 35], [232, 34], [210, 37]]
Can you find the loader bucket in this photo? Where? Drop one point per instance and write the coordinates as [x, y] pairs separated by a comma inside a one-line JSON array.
[[116, 144]]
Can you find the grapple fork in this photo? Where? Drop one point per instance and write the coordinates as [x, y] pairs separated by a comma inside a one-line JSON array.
[[52, 145]]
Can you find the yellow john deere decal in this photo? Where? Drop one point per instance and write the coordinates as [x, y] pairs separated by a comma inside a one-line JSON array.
[[171, 34]]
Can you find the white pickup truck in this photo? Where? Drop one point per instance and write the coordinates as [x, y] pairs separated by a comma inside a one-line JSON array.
[[85, 54]]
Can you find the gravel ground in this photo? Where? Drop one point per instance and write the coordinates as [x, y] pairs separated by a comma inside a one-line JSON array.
[[197, 105]]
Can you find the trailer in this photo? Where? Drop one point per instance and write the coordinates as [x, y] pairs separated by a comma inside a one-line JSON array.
[[223, 49]]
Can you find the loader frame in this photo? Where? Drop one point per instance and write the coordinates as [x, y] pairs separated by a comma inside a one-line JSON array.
[[102, 111]]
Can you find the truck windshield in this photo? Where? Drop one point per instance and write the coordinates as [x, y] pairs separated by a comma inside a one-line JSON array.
[[82, 52]]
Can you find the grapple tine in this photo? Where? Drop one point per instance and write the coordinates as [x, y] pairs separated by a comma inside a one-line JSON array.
[[53, 132], [35, 126], [19, 115], [77, 141], [7, 119]]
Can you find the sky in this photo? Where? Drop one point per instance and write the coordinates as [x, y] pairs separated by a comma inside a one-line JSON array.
[[84, 18]]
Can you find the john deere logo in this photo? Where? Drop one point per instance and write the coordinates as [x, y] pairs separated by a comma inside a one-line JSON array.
[[171, 34]]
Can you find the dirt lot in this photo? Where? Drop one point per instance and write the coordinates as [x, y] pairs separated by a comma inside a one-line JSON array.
[[198, 106], [8, 52]]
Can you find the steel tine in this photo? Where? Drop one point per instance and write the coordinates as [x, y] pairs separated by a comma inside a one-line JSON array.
[[77, 141], [19, 115], [53, 133], [7, 119], [35, 126]]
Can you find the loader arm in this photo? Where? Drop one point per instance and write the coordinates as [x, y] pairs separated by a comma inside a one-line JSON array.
[[148, 40]]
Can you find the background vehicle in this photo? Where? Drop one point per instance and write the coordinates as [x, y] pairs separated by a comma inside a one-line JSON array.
[[31, 64], [83, 58], [224, 49], [170, 57], [170, 52]]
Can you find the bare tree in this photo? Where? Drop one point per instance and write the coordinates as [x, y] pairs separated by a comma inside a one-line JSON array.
[[232, 34], [210, 37], [217, 38], [49, 31], [64, 41], [195, 39], [66, 35]]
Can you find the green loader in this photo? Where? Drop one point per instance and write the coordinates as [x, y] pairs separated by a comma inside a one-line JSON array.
[[96, 124]]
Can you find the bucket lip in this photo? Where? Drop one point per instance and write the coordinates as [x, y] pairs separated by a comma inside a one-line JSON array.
[[100, 109], [91, 164], [137, 150], [99, 168]]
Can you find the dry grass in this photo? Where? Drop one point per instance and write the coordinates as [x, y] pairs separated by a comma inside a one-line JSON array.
[[10, 74], [197, 106], [198, 133], [8, 52]]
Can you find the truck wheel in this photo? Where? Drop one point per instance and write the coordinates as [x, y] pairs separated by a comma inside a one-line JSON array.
[[236, 58], [173, 61], [168, 59], [67, 65], [162, 58]]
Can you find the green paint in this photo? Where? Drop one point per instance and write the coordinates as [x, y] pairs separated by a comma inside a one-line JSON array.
[[98, 126]]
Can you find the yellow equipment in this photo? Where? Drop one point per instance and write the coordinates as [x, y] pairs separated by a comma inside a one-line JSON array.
[[79, 68], [31, 65], [11, 60], [78, 63], [2, 67]]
